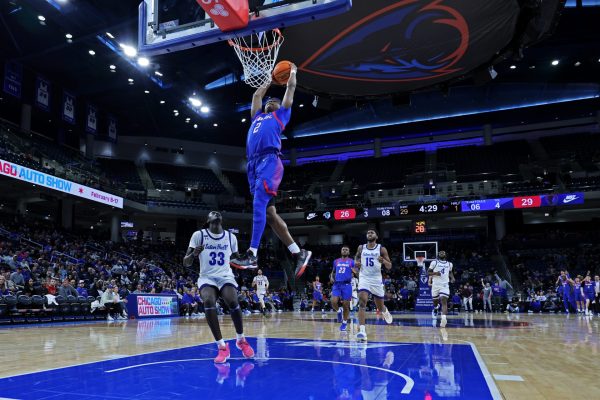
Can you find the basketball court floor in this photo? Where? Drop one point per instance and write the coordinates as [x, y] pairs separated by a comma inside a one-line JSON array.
[[304, 356]]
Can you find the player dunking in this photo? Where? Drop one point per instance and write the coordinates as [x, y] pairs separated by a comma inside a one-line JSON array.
[[265, 171], [261, 283], [369, 258], [440, 272], [214, 247], [341, 276]]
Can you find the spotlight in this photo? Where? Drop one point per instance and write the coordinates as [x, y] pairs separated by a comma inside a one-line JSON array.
[[92, 52], [513, 67], [130, 80], [162, 102], [69, 36], [215, 124], [112, 67], [195, 126], [146, 91], [243, 119], [555, 62], [195, 102], [158, 73], [41, 18], [143, 62], [110, 35], [205, 110], [128, 50]]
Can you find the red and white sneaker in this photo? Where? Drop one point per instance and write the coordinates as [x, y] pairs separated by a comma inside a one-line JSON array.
[[223, 355], [245, 347]]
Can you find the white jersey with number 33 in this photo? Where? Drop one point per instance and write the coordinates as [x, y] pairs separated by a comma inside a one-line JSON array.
[[214, 259]]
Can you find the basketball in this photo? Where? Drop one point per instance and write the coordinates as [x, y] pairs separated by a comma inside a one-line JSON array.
[[281, 72]]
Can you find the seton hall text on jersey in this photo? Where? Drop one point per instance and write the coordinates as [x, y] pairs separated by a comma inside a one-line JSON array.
[[222, 247]]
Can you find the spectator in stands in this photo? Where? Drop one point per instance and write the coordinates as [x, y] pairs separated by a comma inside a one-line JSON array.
[[487, 296], [6, 287], [81, 290], [51, 287], [17, 278], [496, 296], [97, 289], [455, 303], [66, 289], [33, 288], [467, 296], [139, 289], [513, 306], [411, 285], [189, 305], [112, 303]]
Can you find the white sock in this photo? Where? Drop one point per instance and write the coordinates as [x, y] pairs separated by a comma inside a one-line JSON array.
[[443, 316], [221, 343], [345, 321], [239, 336], [254, 251], [362, 329], [293, 248]]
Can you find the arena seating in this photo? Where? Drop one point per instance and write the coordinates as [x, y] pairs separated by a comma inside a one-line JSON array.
[[169, 176], [121, 170]]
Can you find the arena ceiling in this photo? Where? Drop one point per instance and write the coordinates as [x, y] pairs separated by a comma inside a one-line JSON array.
[[81, 63]]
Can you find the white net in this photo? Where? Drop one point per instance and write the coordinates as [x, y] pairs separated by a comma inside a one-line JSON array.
[[420, 261], [258, 54]]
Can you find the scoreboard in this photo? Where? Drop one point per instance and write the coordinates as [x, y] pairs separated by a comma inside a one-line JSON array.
[[523, 202], [425, 209]]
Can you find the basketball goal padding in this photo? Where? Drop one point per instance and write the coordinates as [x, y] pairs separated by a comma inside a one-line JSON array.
[[228, 15]]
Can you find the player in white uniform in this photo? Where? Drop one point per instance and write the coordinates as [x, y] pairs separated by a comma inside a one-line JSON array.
[[214, 247], [440, 273], [369, 258], [354, 301], [261, 283]]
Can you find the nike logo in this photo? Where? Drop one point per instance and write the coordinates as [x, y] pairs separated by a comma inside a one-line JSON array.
[[570, 198], [311, 216]]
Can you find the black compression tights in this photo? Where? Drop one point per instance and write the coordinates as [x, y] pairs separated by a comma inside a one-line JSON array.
[[229, 295]]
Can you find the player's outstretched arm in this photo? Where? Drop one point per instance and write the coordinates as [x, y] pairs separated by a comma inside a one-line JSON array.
[[288, 98], [257, 100], [384, 258], [357, 257]]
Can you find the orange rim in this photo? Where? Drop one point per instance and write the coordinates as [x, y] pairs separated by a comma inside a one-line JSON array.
[[257, 49]]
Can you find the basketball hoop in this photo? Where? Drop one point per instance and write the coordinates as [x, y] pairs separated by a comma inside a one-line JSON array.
[[420, 261], [258, 54]]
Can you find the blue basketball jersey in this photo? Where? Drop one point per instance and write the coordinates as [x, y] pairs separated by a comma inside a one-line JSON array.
[[343, 269], [588, 288], [318, 286], [265, 132]]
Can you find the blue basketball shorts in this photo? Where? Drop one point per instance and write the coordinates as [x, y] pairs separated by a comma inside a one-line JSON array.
[[318, 296], [265, 173], [342, 290]]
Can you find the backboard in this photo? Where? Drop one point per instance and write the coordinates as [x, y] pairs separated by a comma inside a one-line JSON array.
[[166, 26], [411, 250]]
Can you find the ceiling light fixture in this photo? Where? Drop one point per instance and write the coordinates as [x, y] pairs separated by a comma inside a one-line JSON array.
[[41, 18], [215, 124], [555, 62], [195, 126], [243, 119], [92, 52], [112, 66], [513, 67], [143, 62], [205, 110], [146, 91], [128, 50], [175, 111], [577, 64], [130, 80], [301, 105], [195, 101], [69, 36], [110, 35], [162, 102], [158, 73]]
